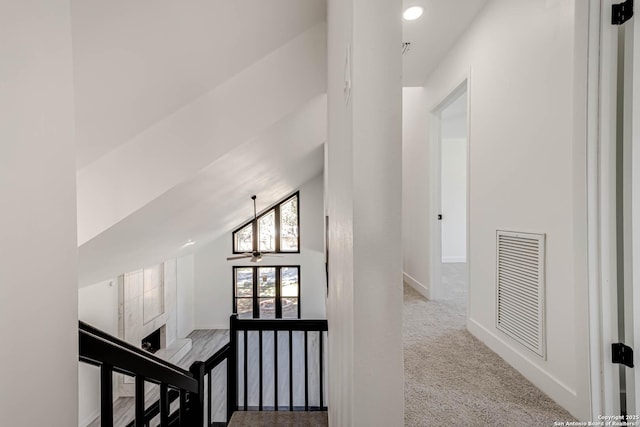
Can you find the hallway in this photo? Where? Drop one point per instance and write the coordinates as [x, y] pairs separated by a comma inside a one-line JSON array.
[[452, 378]]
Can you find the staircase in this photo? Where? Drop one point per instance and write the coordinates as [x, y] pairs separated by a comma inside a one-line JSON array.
[[257, 350]]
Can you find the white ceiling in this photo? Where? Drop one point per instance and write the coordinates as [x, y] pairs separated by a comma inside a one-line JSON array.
[[433, 34], [136, 62], [186, 109], [216, 200]]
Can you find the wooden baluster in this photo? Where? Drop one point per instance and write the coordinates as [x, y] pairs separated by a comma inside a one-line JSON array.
[[164, 405], [245, 362], [209, 398], [320, 363], [232, 369], [260, 368], [106, 396], [275, 370], [139, 400], [290, 370], [196, 400], [306, 373]]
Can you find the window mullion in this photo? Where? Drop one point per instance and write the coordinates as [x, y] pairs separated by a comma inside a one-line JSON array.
[[278, 295], [256, 305], [277, 227]]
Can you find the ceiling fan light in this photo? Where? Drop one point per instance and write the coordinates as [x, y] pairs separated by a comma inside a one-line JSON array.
[[412, 13]]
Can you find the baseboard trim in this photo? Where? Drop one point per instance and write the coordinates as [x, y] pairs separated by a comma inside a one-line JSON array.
[[419, 287], [91, 418], [452, 259], [95, 414], [561, 393]]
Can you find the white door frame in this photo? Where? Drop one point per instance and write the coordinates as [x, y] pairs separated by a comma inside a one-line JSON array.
[[435, 178], [635, 171], [601, 207]]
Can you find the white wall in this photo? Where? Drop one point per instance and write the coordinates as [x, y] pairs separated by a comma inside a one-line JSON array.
[[97, 306], [525, 174], [364, 307], [454, 200], [186, 303], [213, 273], [38, 291], [416, 201]]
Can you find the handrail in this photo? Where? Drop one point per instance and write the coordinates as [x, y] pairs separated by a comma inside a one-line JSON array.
[[115, 355], [99, 348], [239, 330], [220, 356], [110, 338], [280, 324]]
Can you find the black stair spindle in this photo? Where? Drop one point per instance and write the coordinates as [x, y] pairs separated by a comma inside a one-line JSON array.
[[275, 369], [260, 369], [290, 370], [139, 400], [246, 394], [232, 368], [106, 395], [209, 397], [321, 360], [183, 409], [164, 405], [306, 373], [196, 400]]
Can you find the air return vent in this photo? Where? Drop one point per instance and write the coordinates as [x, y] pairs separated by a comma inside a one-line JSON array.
[[520, 288]]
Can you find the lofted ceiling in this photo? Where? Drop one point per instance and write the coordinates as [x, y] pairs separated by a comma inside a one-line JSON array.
[[135, 62], [186, 109]]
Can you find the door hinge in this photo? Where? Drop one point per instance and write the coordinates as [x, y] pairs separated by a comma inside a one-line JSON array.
[[622, 354], [621, 12]]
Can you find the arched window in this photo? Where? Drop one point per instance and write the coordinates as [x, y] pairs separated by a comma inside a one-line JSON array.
[[275, 230]]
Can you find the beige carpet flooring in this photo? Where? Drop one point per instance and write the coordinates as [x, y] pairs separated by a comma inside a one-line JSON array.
[[279, 419], [451, 378]]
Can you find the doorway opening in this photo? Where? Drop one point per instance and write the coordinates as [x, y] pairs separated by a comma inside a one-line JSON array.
[[450, 279]]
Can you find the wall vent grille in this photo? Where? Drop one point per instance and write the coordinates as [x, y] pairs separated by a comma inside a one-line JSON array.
[[520, 287]]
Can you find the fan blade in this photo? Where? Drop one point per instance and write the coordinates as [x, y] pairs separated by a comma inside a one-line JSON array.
[[272, 255], [239, 257]]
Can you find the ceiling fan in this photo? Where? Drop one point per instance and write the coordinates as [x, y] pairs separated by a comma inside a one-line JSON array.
[[255, 255]]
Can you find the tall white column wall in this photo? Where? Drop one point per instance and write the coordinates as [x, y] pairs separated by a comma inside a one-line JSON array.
[[38, 251], [364, 308]]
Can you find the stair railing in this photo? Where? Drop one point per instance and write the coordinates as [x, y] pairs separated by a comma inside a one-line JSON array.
[[289, 332], [191, 387], [111, 355]]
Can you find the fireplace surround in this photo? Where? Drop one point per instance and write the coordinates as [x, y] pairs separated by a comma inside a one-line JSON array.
[[147, 308]]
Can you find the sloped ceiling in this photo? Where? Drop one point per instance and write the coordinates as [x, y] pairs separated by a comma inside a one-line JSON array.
[[136, 62], [215, 201], [184, 109]]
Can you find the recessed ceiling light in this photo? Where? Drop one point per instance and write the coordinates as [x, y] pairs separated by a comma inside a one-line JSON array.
[[189, 243], [412, 13]]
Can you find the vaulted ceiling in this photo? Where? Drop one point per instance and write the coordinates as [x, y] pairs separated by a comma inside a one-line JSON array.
[[185, 109]]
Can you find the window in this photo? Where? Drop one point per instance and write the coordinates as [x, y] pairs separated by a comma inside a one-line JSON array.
[[266, 292], [275, 230]]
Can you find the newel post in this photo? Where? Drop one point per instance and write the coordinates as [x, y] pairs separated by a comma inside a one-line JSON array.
[[196, 402], [232, 370]]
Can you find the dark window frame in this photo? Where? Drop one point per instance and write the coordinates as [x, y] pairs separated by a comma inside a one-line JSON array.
[[255, 293], [254, 230]]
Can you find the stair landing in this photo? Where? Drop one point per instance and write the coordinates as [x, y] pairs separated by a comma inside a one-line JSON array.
[[281, 418]]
